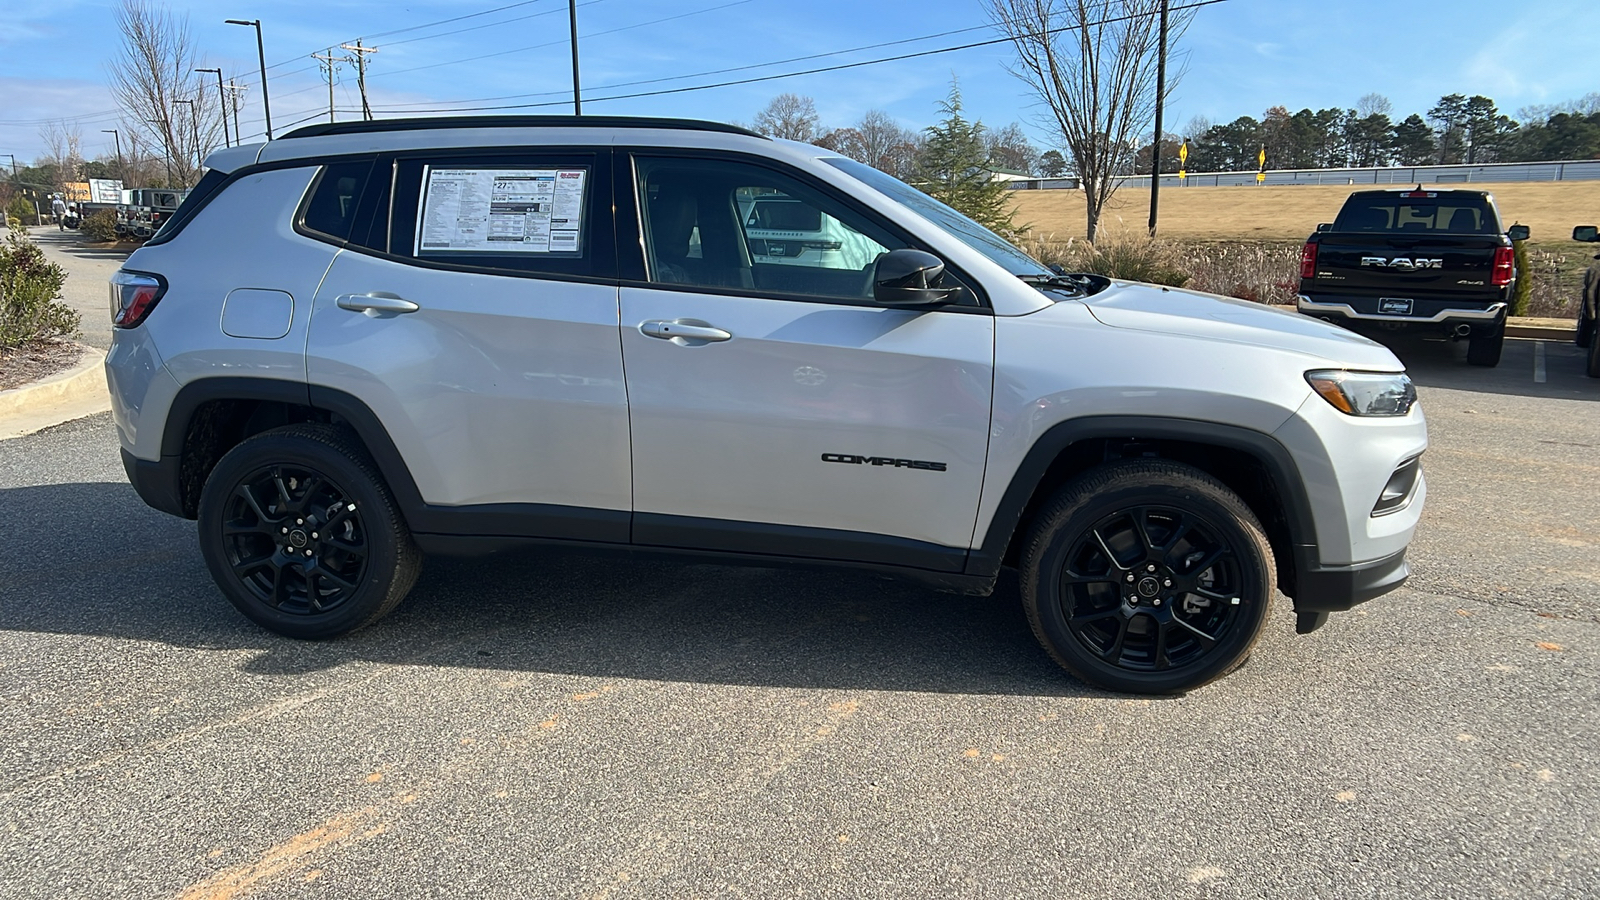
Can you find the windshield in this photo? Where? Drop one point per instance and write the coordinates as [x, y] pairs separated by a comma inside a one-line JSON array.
[[994, 247]]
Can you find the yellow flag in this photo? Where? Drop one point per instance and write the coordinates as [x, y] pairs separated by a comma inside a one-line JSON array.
[[1262, 156], [1183, 153]]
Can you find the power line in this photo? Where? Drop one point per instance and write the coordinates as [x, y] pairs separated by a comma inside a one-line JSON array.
[[763, 65], [853, 65], [479, 56]]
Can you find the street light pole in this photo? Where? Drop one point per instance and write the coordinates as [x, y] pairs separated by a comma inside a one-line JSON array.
[[222, 98], [122, 172], [572, 18], [261, 52]]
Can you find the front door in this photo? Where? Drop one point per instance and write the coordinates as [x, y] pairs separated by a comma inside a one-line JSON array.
[[775, 408]]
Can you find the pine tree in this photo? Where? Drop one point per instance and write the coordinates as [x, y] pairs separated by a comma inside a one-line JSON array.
[[954, 168]]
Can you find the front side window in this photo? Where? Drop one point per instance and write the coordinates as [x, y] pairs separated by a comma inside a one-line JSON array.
[[729, 224]]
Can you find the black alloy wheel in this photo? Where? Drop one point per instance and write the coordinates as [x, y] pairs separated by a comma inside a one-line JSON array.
[[1149, 577], [294, 539], [301, 534]]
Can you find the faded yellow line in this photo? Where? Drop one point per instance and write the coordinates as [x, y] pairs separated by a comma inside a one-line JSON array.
[[241, 880]]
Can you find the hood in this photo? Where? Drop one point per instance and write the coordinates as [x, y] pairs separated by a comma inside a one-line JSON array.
[[1147, 307]]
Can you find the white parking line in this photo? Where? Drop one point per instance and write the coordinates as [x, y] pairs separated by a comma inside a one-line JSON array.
[[1538, 362]]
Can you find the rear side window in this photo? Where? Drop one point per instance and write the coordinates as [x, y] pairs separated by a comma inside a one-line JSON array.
[[330, 208], [1436, 212], [545, 213], [192, 204]]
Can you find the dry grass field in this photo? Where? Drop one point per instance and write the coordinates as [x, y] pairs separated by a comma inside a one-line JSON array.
[[1290, 212]]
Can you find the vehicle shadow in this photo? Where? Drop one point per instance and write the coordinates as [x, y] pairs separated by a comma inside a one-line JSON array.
[[71, 571], [1443, 364]]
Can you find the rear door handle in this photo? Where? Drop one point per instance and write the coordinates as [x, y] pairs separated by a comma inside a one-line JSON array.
[[376, 301], [688, 329]]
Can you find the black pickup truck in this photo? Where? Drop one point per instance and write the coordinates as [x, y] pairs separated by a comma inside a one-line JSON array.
[[1415, 260]]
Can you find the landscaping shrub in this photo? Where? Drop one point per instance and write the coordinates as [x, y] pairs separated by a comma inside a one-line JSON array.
[[1522, 291], [100, 226], [19, 208], [1116, 256], [1263, 273], [30, 291]]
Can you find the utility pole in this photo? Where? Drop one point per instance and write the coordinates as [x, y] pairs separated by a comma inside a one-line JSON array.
[[572, 17], [1161, 99], [122, 171], [328, 60], [195, 121], [222, 98], [261, 52], [234, 91], [361, 74]]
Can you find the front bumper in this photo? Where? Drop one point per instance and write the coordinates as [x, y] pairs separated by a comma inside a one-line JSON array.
[[1334, 309], [1338, 588]]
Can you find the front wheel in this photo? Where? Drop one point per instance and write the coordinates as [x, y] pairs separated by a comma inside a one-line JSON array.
[[1147, 577], [301, 534], [1483, 348]]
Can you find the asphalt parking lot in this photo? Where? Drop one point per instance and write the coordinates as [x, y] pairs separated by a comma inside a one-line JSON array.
[[557, 725]]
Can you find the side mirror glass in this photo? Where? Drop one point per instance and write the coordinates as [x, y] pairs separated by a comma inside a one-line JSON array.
[[1517, 232], [1586, 233], [911, 279], [1325, 226]]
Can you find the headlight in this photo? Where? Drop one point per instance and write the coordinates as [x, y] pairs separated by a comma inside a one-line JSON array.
[[1365, 393]]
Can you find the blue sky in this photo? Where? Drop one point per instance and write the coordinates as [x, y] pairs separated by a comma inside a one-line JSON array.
[[1241, 56]]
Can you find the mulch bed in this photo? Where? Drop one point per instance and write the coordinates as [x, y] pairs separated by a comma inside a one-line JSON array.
[[36, 361]]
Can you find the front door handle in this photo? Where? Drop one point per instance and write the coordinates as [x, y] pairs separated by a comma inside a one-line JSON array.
[[689, 330], [376, 302]]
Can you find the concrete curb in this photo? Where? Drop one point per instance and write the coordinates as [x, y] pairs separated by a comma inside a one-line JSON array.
[[1541, 329], [80, 391]]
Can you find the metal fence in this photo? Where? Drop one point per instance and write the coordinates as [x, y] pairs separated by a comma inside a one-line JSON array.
[[1559, 170]]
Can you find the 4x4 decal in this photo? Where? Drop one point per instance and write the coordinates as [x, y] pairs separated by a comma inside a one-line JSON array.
[[854, 460]]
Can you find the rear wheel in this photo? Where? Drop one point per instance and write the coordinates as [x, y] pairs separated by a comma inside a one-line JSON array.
[[301, 534], [1148, 577], [1483, 348]]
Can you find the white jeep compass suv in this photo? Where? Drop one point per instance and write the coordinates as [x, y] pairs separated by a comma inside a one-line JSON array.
[[368, 341]]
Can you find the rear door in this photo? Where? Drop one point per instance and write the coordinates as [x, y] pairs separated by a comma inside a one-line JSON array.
[[794, 416], [478, 322]]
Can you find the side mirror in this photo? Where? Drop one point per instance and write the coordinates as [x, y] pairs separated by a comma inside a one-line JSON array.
[[1325, 226], [1586, 233], [911, 279], [1517, 232]]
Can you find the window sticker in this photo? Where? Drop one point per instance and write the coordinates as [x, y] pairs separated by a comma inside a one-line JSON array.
[[500, 211]]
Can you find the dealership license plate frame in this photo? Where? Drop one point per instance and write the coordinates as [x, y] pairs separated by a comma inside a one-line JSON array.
[[1395, 306]]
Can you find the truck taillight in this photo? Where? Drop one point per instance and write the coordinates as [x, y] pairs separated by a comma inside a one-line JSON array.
[[133, 295], [1505, 264], [1308, 260]]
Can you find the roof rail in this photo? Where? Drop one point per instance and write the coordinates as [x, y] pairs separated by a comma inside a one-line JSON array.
[[421, 123]]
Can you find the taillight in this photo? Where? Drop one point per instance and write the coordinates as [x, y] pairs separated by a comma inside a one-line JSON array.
[[1505, 263], [133, 295], [1308, 260]]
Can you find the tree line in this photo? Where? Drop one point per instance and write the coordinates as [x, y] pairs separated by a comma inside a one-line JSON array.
[[1459, 129]]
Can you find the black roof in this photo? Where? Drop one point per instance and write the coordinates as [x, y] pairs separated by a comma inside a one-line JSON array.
[[425, 123]]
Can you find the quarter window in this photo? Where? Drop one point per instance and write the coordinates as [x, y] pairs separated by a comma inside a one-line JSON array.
[[331, 209]]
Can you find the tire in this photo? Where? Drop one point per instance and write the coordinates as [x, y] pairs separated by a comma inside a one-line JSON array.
[[302, 535], [1483, 349], [1592, 369], [1202, 572]]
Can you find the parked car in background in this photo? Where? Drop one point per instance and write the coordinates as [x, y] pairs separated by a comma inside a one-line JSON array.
[[1415, 260], [145, 210], [1589, 303]]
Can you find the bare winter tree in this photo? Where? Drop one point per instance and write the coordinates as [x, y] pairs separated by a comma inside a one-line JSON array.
[[164, 102], [1093, 63], [877, 140], [1009, 148], [63, 147], [789, 116], [1373, 105]]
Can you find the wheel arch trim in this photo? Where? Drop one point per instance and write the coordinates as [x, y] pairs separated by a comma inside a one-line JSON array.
[[1279, 464]]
